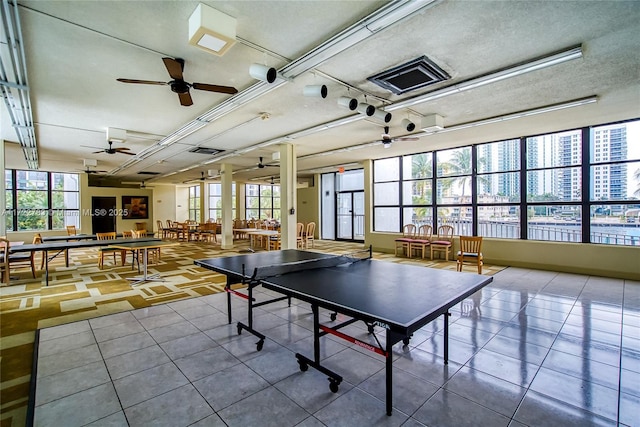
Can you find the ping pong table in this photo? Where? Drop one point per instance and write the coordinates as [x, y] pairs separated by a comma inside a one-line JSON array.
[[400, 298], [58, 247]]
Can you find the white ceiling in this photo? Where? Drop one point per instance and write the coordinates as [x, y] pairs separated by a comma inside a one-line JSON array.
[[75, 51]]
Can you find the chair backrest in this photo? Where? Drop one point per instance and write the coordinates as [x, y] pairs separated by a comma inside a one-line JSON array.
[[471, 244], [424, 232], [311, 230], [37, 239], [169, 224], [409, 230], [71, 230], [127, 234], [299, 230], [139, 233], [445, 232], [160, 227], [106, 236], [141, 225]]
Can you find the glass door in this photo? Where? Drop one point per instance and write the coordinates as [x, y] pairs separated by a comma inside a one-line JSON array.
[[350, 215]]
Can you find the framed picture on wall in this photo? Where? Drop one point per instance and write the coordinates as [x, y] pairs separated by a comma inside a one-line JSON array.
[[135, 207]]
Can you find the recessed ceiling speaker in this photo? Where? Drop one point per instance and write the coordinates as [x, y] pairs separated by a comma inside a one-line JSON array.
[[318, 91], [350, 103], [366, 109], [408, 125], [382, 115], [262, 72]]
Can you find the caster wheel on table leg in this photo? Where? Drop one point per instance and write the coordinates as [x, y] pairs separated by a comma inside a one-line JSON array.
[[259, 345], [303, 366], [333, 386]]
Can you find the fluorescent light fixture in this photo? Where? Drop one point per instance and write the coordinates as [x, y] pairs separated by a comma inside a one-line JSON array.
[[548, 61], [211, 30]]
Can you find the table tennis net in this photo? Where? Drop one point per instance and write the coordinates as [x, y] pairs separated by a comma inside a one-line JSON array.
[[261, 273]]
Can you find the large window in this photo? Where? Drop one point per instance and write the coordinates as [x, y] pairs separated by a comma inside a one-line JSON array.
[[262, 201], [194, 203], [215, 200], [38, 200], [541, 187]]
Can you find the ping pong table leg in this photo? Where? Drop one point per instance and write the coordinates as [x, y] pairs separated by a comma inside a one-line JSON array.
[[389, 372], [446, 337]]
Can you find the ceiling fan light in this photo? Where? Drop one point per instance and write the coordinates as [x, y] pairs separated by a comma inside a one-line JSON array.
[[262, 72], [366, 109], [386, 144], [346, 102], [408, 125], [381, 115], [211, 30], [318, 91]]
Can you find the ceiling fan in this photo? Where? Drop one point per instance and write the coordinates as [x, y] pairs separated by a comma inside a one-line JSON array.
[[387, 140], [261, 165], [203, 177], [88, 170], [178, 85], [111, 150]]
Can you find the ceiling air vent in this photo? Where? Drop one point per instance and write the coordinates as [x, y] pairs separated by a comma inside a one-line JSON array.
[[205, 150], [413, 75], [148, 173]]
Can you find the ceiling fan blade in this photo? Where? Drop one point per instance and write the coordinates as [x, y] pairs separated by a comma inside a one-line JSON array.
[[185, 99], [174, 67], [122, 149], [126, 152], [407, 138], [98, 152], [215, 88], [144, 82]]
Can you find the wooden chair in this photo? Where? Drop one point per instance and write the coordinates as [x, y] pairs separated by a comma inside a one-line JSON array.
[[470, 251], [128, 234], [309, 234], [300, 235], [421, 242], [274, 243], [443, 242], [105, 250], [161, 232], [71, 230], [141, 226], [20, 259], [408, 234]]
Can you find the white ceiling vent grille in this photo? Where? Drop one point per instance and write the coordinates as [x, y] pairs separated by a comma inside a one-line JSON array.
[[413, 75]]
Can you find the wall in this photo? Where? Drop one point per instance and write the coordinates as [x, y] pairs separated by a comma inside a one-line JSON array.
[[308, 207], [181, 204], [164, 203], [582, 258]]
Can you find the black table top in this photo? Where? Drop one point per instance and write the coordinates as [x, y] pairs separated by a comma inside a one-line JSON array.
[[52, 246], [404, 297]]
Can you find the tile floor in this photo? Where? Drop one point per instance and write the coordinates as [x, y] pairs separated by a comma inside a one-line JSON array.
[[544, 348]]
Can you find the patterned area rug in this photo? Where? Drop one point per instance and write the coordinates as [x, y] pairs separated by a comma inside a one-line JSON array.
[[83, 291]]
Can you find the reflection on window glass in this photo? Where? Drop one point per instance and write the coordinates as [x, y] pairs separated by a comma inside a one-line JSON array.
[[386, 219], [350, 180], [386, 193]]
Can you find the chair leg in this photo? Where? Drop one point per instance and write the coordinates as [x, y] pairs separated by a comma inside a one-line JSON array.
[[33, 266]]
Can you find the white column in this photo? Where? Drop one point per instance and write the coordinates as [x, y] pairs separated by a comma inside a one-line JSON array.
[[226, 174], [288, 196]]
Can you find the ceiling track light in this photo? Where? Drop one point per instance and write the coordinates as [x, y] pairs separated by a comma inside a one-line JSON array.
[[262, 72], [350, 103], [366, 109], [381, 115], [408, 125], [317, 91]]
